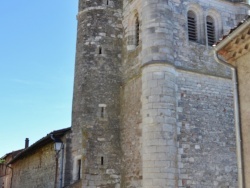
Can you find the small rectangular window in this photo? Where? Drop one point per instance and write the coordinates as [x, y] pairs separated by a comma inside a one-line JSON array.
[[102, 161], [100, 50], [137, 28], [102, 112], [79, 166]]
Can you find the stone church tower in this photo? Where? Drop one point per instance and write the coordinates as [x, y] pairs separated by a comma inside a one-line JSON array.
[[96, 103], [151, 107]]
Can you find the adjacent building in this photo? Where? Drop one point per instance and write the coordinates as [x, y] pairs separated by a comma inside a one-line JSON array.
[[233, 50], [6, 171], [38, 165]]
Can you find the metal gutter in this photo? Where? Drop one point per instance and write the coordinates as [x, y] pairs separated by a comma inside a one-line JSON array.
[[43, 141], [232, 35]]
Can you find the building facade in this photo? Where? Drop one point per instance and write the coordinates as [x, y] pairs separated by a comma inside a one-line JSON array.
[[151, 106], [38, 165], [233, 51], [6, 171]]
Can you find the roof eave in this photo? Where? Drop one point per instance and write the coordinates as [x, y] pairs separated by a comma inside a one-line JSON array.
[[43, 141], [232, 36]]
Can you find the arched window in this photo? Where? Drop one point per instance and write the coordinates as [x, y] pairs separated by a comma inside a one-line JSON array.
[[137, 31], [133, 31], [210, 31], [192, 26]]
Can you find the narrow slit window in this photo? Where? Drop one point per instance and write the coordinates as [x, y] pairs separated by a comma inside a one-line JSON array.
[[102, 112], [79, 165], [192, 26], [102, 161], [210, 31], [107, 2], [137, 32], [100, 50]]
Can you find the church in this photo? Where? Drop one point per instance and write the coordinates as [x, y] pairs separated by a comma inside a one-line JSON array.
[[151, 106]]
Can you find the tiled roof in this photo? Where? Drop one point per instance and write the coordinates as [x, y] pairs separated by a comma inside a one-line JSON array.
[[236, 43], [13, 153], [42, 142], [232, 30]]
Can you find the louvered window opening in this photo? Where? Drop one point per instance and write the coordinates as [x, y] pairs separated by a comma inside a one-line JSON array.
[[210, 31], [137, 35], [192, 28]]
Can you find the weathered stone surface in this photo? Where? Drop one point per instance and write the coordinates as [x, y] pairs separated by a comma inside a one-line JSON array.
[[96, 103], [206, 133], [36, 170], [151, 109], [242, 65], [148, 106], [131, 134], [159, 137]]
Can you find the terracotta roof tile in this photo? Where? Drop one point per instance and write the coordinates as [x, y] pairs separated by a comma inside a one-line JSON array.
[[232, 30]]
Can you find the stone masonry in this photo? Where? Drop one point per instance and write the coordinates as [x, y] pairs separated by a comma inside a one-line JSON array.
[[35, 170], [152, 109], [206, 135], [96, 104]]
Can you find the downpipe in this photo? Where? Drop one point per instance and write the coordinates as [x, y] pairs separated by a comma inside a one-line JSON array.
[[61, 167], [237, 119]]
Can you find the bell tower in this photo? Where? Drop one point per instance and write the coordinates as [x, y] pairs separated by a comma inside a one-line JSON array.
[[96, 103]]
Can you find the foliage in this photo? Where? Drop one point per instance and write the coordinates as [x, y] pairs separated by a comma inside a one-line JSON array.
[[2, 161]]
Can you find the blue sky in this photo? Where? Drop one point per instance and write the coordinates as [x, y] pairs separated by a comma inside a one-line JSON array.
[[37, 55]]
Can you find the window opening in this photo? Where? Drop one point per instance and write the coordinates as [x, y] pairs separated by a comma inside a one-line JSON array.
[[102, 112], [100, 50], [192, 26], [137, 28], [102, 161], [107, 2], [210, 31], [79, 169]]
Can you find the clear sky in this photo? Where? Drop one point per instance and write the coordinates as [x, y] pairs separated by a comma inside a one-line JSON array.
[[37, 55]]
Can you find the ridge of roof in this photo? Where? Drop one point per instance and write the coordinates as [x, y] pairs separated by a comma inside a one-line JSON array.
[[14, 153], [43, 141]]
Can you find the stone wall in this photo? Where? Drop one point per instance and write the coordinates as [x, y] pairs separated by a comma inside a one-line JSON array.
[[165, 35], [96, 100], [206, 132], [131, 56], [139, 129], [165, 112], [131, 134], [243, 68], [188, 129], [196, 56], [6, 172], [35, 170], [159, 146]]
